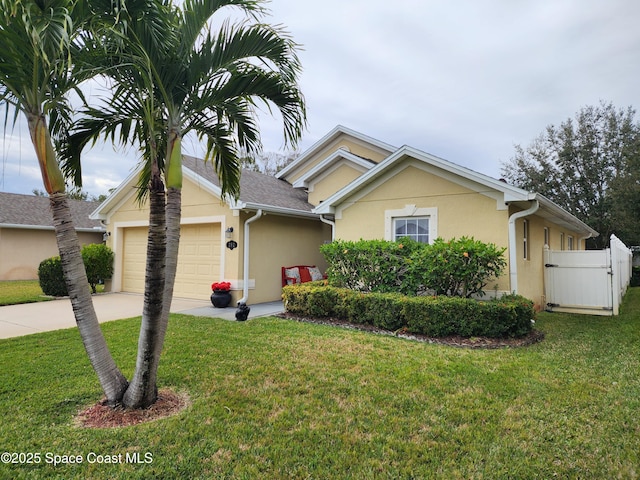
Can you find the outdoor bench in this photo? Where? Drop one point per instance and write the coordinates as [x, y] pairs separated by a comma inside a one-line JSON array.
[[300, 274]]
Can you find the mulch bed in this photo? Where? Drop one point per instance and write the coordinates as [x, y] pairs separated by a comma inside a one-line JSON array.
[[534, 336], [101, 415]]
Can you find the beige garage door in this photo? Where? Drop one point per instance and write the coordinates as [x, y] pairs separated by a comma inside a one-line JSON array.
[[198, 260], [133, 259]]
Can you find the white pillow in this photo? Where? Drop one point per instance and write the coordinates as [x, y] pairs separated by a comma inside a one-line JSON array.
[[315, 273], [292, 272]]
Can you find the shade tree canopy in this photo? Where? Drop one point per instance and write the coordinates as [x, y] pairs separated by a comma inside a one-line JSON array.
[[589, 165]]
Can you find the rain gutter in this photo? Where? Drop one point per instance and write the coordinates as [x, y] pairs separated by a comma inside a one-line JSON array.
[[245, 282], [513, 257]]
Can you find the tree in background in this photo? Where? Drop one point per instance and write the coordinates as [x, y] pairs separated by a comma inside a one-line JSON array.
[[268, 163], [588, 166], [75, 193]]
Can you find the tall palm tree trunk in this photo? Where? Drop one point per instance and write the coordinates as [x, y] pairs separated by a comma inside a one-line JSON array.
[[112, 381], [173, 216], [143, 390], [162, 256], [173, 174]]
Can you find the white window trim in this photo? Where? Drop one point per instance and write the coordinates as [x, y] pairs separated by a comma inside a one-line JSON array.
[[411, 211], [547, 236], [525, 239]]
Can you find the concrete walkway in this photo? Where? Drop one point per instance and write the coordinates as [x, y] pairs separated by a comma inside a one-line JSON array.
[[18, 320]]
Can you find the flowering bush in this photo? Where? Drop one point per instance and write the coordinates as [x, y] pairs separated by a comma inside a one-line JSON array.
[[221, 286], [458, 267]]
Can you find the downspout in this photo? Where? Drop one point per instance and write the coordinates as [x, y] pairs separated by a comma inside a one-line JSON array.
[[585, 240], [333, 226], [513, 256], [245, 282]]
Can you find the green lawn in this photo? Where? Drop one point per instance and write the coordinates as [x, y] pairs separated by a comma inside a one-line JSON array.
[[273, 398], [14, 292], [21, 291]]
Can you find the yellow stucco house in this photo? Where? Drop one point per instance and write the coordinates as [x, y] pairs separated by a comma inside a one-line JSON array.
[[346, 186], [27, 236]]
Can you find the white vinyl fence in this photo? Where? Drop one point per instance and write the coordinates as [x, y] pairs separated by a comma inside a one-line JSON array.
[[587, 281]]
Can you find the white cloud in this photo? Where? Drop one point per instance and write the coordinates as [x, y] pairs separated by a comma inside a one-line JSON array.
[[463, 80]]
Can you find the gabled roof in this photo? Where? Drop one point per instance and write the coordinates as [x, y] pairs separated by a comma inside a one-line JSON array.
[[332, 160], [385, 148], [33, 212], [382, 169], [257, 191], [503, 192]]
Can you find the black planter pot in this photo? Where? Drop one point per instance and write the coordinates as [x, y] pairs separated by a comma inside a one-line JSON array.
[[220, 299]]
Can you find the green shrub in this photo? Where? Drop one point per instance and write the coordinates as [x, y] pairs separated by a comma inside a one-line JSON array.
[[98, 263], [460, 268], [436, 316], [457, 268], [382, 310], [314, 300], [525, 313], [51, 278], [509, 316], [369, 265]]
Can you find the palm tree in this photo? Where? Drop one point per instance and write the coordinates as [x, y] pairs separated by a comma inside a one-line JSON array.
[[36, 76], [184, 77]]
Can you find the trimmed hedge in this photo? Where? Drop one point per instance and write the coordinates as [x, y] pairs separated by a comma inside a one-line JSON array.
[[509, 316]]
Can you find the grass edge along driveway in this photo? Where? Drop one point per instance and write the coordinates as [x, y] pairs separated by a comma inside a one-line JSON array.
[[273, 398], [14, 292]]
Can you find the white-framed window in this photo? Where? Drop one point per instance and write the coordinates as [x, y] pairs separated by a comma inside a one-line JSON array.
[[547, 238], [415, 228], [570, 242], [525, 238], [420, 224], [562, 241]]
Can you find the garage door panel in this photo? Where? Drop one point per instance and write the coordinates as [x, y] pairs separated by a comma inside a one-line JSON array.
[[134, 259], [199, 257], [198, 260]]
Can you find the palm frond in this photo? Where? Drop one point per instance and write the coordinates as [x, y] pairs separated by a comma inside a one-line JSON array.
[[222, 152], [197, 13]]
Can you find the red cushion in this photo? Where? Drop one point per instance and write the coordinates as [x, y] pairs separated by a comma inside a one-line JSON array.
[[305, 276]]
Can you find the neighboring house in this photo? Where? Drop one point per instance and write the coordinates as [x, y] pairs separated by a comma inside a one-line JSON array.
[[27, 236], [347, 186]]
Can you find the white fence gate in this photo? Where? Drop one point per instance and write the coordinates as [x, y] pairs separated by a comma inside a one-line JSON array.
[[587, 281]]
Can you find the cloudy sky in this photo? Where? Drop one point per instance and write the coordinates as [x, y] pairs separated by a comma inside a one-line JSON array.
[[463, 80]]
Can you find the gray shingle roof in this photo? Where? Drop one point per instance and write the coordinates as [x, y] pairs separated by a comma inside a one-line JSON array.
[[256, 188], [33, 211]]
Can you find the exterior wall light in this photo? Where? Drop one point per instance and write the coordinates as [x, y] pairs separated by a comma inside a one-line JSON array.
[[228, 233]]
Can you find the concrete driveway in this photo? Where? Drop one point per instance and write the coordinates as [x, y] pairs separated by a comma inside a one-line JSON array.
[[18, 320]]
